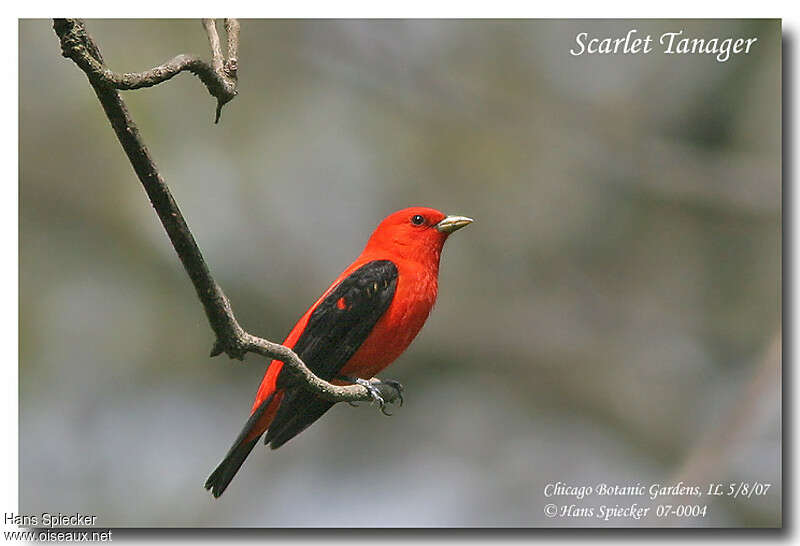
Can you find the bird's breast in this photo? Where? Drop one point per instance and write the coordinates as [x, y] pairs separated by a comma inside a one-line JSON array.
[[412, 303]]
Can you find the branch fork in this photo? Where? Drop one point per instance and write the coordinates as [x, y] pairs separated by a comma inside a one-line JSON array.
[[220, 77]]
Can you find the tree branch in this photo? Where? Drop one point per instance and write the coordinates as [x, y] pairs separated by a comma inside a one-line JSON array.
[[79, 46], [221, 83], [232, 31]]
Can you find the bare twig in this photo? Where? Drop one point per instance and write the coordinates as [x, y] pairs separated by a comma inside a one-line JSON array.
[[79, 46], [213, 40], [232, 31], [221, 66], [221, 84]]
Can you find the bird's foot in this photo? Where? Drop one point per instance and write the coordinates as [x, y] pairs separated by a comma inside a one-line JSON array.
[[372, 388], [374, 393]]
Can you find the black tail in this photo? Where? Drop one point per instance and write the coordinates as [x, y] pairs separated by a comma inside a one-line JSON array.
[[218, 481], [224, 473]]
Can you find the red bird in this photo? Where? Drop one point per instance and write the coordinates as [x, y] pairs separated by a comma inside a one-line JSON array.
[[360, 325]]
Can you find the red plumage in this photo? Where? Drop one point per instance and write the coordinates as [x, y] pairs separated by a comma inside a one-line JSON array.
[[401, 262]]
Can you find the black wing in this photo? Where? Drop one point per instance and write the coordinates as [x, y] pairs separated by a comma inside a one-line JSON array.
[[335, 331]]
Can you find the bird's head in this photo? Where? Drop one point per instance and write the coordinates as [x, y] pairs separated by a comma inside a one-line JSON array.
[[416, 233]]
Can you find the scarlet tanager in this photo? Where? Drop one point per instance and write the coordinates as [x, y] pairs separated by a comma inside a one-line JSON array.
[[360, 325]]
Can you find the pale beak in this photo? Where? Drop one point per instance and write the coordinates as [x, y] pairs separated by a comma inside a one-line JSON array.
[[452, 223]]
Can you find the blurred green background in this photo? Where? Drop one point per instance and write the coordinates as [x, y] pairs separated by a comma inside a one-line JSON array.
[[613, 315]]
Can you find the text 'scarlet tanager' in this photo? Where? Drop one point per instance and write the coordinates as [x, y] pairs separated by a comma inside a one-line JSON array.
[[360, 325]]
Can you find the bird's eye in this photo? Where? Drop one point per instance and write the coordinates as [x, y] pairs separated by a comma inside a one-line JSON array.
[[417, 219]]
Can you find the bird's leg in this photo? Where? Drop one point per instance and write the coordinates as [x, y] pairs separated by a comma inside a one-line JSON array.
[[374, 392]]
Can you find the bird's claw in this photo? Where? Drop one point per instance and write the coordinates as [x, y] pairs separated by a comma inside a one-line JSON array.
[[374, 393]]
